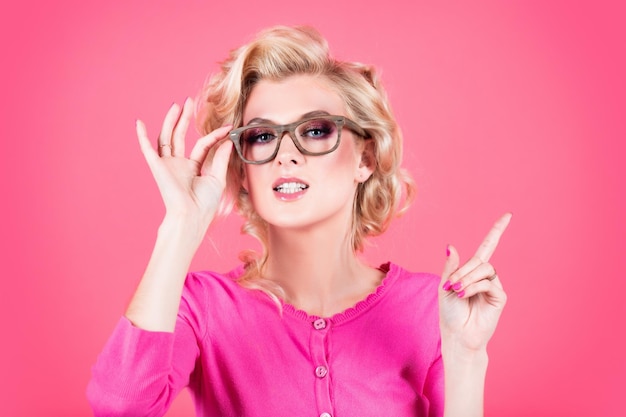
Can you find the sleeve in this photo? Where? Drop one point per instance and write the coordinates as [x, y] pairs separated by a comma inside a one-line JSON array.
[[434, 388], [138, 373]]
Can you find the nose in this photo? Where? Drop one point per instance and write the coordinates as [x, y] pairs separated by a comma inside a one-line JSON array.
[[288, 153]]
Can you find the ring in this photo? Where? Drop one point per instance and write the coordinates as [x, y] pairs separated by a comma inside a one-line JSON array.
[[492, 277], [164, 145]]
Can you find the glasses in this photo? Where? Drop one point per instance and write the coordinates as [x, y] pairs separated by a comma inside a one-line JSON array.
[[319, 135]]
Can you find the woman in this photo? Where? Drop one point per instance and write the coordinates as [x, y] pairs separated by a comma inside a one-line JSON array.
[[306, 327]]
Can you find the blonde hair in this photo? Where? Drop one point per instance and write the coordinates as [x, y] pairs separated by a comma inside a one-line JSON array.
[[275, 54]]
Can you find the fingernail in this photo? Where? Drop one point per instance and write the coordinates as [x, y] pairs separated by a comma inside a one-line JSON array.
[[460, 294], [448, 250], [447, 285], [457, 286]]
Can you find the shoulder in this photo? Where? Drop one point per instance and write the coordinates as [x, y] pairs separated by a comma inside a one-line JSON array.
[[418, 281], [201, 284], [408, 314], [413, 293], [221, 310], [208, 290], [206, 279]]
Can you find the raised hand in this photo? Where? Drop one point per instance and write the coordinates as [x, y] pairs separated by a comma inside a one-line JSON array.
[[190, 187], [471, 297]]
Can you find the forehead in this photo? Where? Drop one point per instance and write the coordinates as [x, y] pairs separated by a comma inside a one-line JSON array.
[[286, 100]]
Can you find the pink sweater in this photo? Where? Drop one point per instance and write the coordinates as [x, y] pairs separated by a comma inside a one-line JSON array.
[[240, 357]]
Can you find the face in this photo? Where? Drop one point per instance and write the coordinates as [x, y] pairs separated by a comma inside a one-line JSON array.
[[295, 190]]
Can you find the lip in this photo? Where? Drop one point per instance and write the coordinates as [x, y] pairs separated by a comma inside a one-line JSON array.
[[289, 189]]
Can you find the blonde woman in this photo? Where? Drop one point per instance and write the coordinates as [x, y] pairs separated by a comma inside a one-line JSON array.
[[307, 150]]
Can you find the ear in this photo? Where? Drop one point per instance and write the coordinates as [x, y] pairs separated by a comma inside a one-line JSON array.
[[367, 164], [244, 181]]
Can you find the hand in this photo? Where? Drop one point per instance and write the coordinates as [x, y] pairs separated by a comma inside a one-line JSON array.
[[471, 297], [190, 187]]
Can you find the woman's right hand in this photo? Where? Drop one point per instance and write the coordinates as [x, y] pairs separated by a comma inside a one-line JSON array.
[[191, 188]]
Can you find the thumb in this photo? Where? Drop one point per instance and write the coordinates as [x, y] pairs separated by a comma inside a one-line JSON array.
[[217, 166], [451, 265]]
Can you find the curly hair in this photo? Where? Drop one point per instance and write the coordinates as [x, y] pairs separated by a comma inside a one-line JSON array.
[[275, 54]]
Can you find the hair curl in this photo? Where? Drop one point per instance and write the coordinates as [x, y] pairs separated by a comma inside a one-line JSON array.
[[275, 54]]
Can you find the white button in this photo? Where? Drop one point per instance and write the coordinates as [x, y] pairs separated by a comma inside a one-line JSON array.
[[321, 371], [325, 415], [319, 324]]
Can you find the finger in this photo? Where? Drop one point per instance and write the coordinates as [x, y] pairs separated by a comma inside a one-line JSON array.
[[180, 129], [204, 144], [165, 136], [489, 244], [218, 166], [494, 294], [451, 265], [482, 272], [144, 143], [495, 280], [463, 270]]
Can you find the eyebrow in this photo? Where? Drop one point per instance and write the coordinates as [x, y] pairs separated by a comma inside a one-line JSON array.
[[260, 120]]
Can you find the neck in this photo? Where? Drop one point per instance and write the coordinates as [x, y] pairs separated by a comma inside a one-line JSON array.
[[318, 270]]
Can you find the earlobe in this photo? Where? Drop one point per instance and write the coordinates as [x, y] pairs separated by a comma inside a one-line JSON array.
[[244, 183], [367, 165]]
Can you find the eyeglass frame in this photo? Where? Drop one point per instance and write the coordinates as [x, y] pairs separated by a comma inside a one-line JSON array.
[[340, 122]]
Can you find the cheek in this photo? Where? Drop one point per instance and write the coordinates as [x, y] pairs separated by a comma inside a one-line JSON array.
[[254, 178], [346, 161], [339, 176]]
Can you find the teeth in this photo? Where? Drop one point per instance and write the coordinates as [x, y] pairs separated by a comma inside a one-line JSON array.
[[291, 187]]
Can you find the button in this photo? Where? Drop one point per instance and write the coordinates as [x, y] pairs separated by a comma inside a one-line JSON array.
[[319, 324], [321, 371], [325, 415]]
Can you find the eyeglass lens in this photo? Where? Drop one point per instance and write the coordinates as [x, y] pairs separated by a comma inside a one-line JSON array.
[[315, 136]]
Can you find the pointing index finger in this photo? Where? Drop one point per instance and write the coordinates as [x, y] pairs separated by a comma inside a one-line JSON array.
[[489, 244]]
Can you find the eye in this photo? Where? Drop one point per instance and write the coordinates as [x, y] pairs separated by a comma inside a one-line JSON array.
[[317, 129], [258, 135]]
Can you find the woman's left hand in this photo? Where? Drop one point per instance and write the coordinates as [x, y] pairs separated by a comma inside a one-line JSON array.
[[471, 297]]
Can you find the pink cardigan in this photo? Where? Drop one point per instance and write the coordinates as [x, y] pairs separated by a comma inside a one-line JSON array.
[[240, 357]]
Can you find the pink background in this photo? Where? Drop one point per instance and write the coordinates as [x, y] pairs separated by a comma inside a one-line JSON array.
[[505, 106]]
